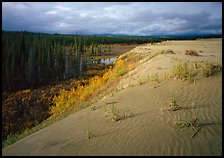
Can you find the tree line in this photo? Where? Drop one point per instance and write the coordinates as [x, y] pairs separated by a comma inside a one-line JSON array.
[[30, 59]]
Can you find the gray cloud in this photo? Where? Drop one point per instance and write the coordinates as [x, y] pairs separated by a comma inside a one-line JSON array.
[[131, 18]]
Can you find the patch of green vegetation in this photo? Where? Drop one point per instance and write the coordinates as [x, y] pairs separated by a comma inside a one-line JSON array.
[[85, 105], [173, 104], [114, 113], [10, 140], [194, 123]]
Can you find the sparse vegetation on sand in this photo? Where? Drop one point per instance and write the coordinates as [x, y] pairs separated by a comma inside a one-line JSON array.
[[154, 77], [183, 71], [210, 69], [194, 123], [191, 52], [90, 135], [142, 81], [173, 104], [115, 114], [187, 71], [167, 51]]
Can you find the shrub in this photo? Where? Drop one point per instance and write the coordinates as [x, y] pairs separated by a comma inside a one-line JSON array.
[[68, 99]]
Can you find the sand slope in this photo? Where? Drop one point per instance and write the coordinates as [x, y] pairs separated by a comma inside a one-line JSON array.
[[145, 129]]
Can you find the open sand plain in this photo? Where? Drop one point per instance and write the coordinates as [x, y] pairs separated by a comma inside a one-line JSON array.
[[145, 127]]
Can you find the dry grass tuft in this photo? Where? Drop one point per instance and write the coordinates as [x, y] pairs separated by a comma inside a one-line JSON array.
[[183, 71], [168, 51], [191, 52], [154, 77], [210, 69]]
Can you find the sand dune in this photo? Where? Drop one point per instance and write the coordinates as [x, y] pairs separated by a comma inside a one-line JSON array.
[[145, 128]]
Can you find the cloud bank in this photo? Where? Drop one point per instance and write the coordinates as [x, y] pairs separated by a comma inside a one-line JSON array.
[[132, 18]]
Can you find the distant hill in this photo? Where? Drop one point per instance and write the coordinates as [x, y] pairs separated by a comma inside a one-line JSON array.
[[206, 35]]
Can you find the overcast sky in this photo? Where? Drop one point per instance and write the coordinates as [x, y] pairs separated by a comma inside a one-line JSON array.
[[132, 18]]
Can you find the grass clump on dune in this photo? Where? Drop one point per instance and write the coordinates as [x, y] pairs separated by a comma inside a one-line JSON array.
[[173, 104], [191, 52], [142, 81], [189, 121], [187, 71], [113, 113], [183, 71], [154, 77]]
